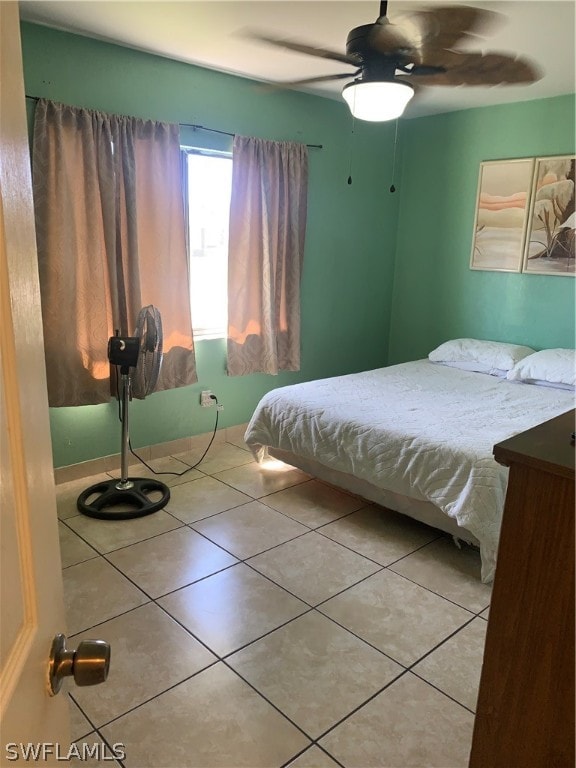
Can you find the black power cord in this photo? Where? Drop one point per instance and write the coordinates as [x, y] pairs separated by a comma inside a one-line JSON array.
[[176, 474]]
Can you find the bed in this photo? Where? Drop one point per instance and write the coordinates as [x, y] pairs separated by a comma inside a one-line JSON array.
[[415, 437]]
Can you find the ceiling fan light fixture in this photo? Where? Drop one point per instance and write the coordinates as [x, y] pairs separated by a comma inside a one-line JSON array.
[[377, 101]]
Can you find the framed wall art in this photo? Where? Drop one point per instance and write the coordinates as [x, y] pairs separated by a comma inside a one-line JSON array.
[[502, 208], [549, 246]]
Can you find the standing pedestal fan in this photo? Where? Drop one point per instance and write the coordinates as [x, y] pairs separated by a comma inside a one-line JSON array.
[[143, 354]]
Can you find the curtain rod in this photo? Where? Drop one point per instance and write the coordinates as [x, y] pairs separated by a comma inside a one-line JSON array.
[[227, 133], [199, 127]]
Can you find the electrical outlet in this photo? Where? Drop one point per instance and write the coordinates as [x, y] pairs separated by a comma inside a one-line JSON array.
[[206, 399]]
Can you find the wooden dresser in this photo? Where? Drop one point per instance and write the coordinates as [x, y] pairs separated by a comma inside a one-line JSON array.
[[525, 712]]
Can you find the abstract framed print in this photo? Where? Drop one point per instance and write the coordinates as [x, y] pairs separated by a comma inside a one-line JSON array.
[[502, 206], [549, 247]]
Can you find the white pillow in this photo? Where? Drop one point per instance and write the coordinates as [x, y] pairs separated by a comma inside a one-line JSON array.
[[487, 355], [555, 366]]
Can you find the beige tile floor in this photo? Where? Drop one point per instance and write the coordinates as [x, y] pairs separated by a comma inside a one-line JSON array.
[[264, 619]]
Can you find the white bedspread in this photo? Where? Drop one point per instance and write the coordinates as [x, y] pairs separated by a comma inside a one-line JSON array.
[[420, 429]]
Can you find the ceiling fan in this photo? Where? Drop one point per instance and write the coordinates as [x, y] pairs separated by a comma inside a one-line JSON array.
[[424, 47]]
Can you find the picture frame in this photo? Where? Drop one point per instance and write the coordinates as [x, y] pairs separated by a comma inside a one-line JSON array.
[[550, 237], [502, 211]]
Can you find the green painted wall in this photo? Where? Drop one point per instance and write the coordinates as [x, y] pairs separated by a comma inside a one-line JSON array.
[[386, 277], [348, 269], [436, 296]]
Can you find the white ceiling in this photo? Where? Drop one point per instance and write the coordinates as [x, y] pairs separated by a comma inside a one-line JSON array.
[[212, 34]]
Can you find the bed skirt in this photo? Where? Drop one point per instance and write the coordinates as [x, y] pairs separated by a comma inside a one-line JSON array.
[[419, 509]]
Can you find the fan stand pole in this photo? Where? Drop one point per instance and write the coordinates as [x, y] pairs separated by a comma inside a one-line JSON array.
[[130, 494], [125, 484]]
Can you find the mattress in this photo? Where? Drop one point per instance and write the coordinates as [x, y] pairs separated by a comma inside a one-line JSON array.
[[419, 429]]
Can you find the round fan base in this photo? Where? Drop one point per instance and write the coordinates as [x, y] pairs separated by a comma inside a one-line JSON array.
[[109, 501]]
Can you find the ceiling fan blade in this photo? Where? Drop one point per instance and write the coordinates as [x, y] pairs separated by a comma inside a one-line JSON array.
[[309, 50], [477, 69], [446, 27], [322, 79]]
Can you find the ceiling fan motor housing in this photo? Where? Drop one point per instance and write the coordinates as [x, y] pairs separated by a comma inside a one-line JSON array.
[[375, 65]]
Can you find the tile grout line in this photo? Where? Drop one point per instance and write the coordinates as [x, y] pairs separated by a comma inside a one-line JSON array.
[[424, 680], [190, 677], [271, 703], [256, 554], [110, 618], [310, 608], [314, 740], [316, 530], [157, 695], [396, 661], [106, 741], [291, 485], [363, 640], [378, 693], [364, 703], [94, 727], [346, 546], [245, 562], [124, 546], [302, 752], [437, 594], [150, 598], [219, 657]]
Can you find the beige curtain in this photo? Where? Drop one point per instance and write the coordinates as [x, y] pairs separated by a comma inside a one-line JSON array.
[[111, 239], [266, 247]]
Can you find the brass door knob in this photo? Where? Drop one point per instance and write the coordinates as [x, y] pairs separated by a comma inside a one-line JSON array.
[[88, 664]]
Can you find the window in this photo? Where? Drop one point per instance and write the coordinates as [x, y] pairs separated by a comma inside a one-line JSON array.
[[209, 185]]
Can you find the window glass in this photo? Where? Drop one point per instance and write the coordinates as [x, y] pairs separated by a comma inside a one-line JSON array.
[[209, 187]]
